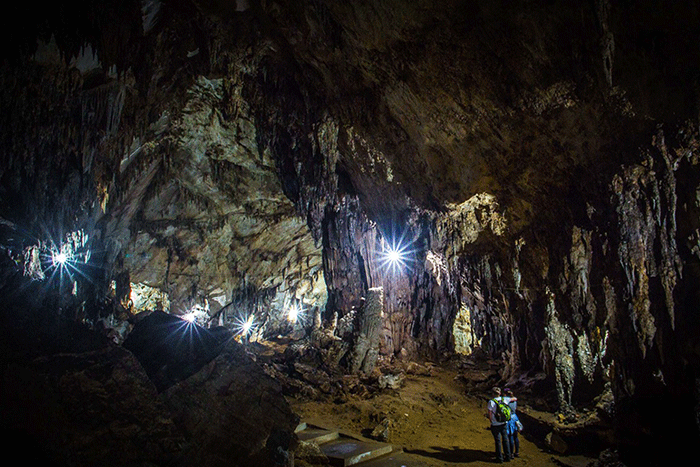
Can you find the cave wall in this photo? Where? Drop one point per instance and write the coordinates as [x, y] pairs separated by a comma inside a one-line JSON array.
[[549, 111], [157, 156], [612, 294]]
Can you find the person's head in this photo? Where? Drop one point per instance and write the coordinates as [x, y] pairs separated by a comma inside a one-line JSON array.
[[496, 390], [508, 392]]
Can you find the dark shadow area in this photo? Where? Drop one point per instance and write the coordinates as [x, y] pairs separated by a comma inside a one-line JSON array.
[[171, 349], [456, 455]]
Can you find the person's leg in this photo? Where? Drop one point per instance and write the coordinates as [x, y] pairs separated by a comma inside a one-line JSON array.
[[516, 444], [510, 444], [506, 443], [496, 431]]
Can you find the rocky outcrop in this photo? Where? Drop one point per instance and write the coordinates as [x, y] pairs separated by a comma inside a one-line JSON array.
[[608, 295], [257, 426], [366, 346], [77, 399], [89, 408], [171, 349], [216, 185]]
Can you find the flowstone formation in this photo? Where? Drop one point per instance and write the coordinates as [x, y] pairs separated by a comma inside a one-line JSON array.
[[519, 180]]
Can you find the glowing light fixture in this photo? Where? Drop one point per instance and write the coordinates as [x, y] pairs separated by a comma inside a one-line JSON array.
[[60, 258], [247, 324], [70, 253], [293, 314], [296, 313], [244, 325], [189, 317], [197, 314], [395, 255]]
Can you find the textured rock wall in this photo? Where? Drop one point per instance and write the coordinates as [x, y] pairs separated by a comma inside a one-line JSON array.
[[156, 157], [610, 295]]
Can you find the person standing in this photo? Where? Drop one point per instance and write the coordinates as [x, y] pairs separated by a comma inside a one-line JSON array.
[[512, 424], [498, 427]]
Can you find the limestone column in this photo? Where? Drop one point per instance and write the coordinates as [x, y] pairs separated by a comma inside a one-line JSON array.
[[366, 349]]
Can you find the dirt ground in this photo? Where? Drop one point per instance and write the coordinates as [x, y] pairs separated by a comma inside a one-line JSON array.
[[432, 419]]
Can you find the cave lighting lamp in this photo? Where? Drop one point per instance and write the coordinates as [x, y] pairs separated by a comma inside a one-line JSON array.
[[247, 324], [394, 255], [295, 313], [243, 326], [59, 258], [189, 317]]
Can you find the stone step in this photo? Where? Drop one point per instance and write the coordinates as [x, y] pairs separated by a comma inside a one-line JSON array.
[[300, 427], [316, 434], [346, 451]]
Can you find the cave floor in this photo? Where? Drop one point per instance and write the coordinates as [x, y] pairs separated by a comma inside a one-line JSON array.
[[433, 420]]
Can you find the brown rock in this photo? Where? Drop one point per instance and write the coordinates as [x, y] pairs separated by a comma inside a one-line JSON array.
[[233, 413], [556, 443]]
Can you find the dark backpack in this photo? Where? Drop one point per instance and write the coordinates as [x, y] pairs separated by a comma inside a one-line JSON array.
[[502, 413]]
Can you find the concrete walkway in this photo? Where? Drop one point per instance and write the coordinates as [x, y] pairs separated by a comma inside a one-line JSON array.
[[343, 449]]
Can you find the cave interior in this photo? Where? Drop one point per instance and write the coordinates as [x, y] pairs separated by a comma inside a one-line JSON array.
[[185, 184]]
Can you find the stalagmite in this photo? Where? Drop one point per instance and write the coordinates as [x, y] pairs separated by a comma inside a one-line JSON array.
[[366, 348]]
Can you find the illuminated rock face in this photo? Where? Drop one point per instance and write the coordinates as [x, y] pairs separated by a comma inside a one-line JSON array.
[[539, 162], [214, 219]]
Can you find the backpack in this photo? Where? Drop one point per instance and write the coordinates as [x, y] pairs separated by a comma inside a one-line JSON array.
[[502, 413]]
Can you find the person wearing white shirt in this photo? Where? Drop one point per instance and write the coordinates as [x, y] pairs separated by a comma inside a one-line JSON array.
[[498, 429]]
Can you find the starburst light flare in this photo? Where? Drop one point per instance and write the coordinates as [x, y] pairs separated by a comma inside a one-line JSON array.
[[296, 313], [244, 325], [247, 324], [293, 313], [395, 255], [59, 258], [189, 317], [65, 259]]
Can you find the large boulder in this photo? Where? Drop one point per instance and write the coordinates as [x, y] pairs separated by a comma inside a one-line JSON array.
[[79, 400], [234, 414], [86, 409], [172, 349]]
